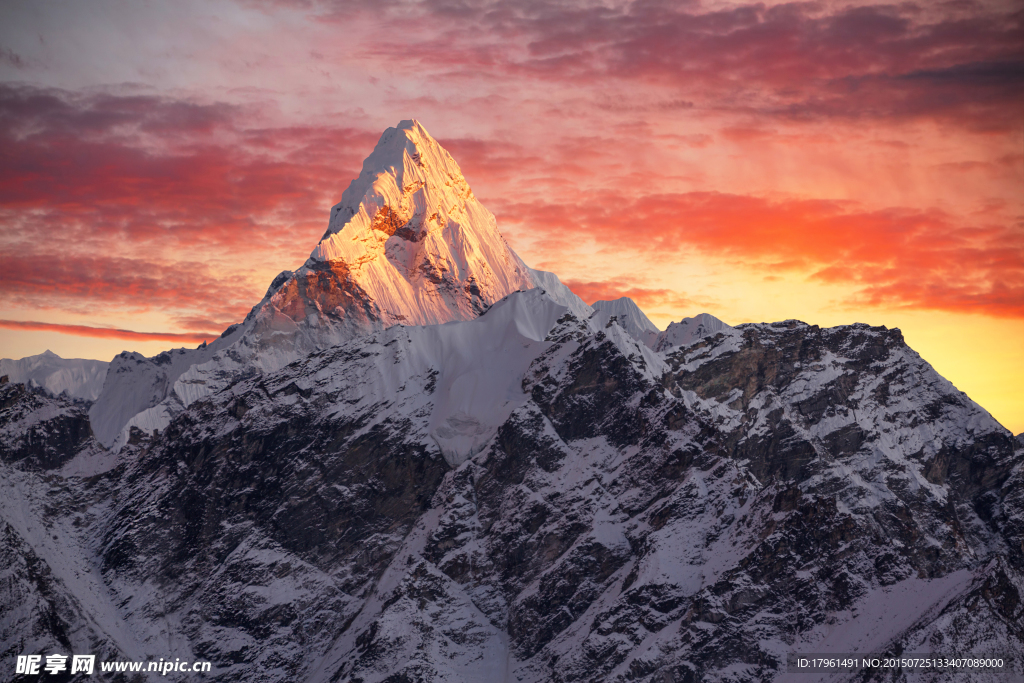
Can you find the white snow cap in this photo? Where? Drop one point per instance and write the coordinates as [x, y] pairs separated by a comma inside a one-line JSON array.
[[415, 239], [637, 325], [559, 293], [629, 317], [689, 330], [77, 378], [404, 157]]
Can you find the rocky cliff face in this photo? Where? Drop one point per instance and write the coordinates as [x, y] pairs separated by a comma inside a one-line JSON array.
[[39, 431], [692, 515]]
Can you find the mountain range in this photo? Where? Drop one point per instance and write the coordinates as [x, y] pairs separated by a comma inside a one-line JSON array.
[[418, 459]]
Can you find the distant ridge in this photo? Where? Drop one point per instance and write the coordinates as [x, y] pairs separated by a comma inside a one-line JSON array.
[[76, 378]]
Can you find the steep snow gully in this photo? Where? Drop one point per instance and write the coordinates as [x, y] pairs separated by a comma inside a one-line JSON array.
[[418, 459]]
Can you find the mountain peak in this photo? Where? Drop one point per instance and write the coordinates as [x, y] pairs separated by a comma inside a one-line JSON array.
[[415, 128], [408, 184], [688, 330], [408, 243], [628, 315], [78, 378]]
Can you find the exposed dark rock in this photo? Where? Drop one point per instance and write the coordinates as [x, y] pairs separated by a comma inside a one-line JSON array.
[[39, 431], [774, 484]]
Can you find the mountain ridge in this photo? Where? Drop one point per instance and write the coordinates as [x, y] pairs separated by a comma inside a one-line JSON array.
[[753, 493], [78, 378], [407, 244]]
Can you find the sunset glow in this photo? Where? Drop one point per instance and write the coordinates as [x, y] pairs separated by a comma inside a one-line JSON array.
[[832, 162]]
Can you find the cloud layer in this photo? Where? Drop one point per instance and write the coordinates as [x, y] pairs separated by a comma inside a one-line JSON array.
[[107, 201], [958, 63], [746, 133], [895, 257], [106, 332]]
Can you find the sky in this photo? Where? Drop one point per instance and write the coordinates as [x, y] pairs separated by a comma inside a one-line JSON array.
[[831, 162]]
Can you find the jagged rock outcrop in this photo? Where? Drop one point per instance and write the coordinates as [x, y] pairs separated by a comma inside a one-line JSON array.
[[39, 431]]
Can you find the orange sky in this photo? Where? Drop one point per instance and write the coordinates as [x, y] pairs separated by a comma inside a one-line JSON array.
[[832, 162]]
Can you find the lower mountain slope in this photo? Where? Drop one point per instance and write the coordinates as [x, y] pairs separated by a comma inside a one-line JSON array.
[[529, 496]]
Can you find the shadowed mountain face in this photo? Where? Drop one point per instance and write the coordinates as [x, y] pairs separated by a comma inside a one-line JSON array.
[[534, 493]]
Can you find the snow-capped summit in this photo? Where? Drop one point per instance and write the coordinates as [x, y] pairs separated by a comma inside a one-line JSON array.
[[76, 378], [629, 317], [408, 243], [688, 330], [559, 293]]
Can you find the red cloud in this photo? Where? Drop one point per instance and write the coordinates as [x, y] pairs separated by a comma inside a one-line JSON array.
[[102, 283], [497, 162], [954, 62], [147, 182], [106, 201], [896, 257], [108, 333], [152, 169], [644, 297]]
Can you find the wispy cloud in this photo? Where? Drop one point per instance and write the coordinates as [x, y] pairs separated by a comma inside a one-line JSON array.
[[149, 203], [792, 61], [895, 257], [107, 333], [150, 178], [104, 284]]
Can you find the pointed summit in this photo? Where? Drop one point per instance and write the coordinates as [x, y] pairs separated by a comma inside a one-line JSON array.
[[407, 170], [629, 317], [408, 243]]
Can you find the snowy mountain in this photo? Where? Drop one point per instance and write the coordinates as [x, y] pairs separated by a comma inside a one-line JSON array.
[[687, 331], [407, 244], [522, 497], [629, 317], [145, 392], [76, 378], [517, 488]]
